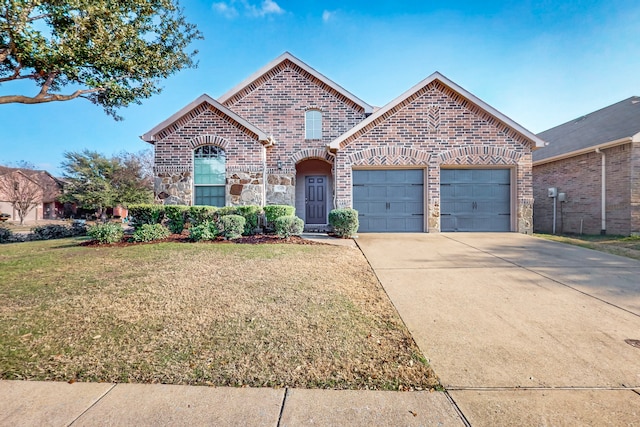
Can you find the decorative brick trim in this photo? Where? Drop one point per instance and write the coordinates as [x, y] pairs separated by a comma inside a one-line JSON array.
[[311, 153], [172, 168], [287, 64], [208, 139], [389, 156], [479, 155], [245, 168], [313, 108]]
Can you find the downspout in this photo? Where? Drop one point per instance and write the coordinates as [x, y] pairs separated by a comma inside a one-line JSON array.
[[603, 227], [270, 143], [335, 180]]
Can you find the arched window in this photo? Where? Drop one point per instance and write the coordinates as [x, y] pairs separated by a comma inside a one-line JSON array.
[[313, 124], [209, 176]]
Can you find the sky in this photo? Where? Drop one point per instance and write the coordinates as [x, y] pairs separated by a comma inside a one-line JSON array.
[[539, 62]]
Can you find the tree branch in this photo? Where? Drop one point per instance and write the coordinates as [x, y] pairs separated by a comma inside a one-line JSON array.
[[20, 99]]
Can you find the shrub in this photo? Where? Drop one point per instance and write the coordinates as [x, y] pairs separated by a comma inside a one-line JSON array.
[[251, 214], [176, 216], [344, 222], [207, 230], [146, 214], [201, 214], [56, 231], [6, 235], [272, 212], [289, 225], [232, 226], [109, 232], [150, 232]]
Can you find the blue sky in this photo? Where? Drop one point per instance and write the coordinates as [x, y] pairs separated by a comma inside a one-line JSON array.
[[540, 62]]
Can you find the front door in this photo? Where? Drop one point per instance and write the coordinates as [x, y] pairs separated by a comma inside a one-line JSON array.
[[315, 199]]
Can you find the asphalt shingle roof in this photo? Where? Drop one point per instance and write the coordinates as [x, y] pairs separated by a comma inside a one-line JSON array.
[[617, 121]]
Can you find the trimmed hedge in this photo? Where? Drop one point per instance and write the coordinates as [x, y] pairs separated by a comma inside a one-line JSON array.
[[201, 214], [344, 222], [272, 212], [207, 230], [176, 216], [251, 215], [106, 233], [287, 226], [56, 231], [232, 226], [150, 232], [6, 235], [146, 214]]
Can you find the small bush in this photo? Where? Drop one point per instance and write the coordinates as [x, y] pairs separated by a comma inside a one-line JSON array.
[[251, 214], [201, 214], [344, 222], [106, 233], [56, 231], [150, 232], [207, 230], [146, 214], [6, 235], [272, 212], [176, 216], [232, 226], [287, 226]]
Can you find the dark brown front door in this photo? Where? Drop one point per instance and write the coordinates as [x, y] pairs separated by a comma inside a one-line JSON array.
[[315, 199]]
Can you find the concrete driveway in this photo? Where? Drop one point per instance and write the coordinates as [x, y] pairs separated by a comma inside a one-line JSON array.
[[520, 330]]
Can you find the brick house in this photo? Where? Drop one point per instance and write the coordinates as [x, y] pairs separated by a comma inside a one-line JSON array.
[[36, 188], [434, 159], [594, 161]]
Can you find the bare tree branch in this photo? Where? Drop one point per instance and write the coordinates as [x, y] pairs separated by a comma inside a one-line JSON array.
[[20, 99]]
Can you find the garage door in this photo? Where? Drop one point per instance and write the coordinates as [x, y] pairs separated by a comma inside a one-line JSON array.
[[389, 200], [475, 200]]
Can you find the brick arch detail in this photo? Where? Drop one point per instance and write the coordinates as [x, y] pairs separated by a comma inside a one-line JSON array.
[[208, 139], [389, 156], [311, 153], [479, 155]]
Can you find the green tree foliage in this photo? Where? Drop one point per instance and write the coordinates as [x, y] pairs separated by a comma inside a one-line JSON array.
[[112, 53], [94, 181]]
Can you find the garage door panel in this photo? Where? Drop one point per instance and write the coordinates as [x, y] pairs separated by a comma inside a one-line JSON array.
[[389, 200], [475, 200]]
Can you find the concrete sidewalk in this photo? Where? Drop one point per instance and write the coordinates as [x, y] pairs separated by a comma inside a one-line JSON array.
[[27, 403], [520, 330]]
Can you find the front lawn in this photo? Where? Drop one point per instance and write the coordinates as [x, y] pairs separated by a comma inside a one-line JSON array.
[[211, 314]]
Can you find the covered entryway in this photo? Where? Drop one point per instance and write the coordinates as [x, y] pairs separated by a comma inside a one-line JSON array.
[[389, 200], [314, 192], [475, 199]]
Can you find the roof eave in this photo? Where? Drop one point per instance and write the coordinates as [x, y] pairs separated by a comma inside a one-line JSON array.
[[151, 135], [538, 143], [368, 109], [610, 144]]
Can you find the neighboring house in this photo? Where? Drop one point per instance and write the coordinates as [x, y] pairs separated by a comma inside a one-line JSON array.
[[594, 161], [36, 187], [434, 159]]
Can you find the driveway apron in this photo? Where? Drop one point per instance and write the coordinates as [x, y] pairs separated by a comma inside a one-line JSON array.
[[519, 330]]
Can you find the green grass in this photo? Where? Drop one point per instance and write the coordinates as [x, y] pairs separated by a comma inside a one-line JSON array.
[[222, 314], [617, 245]]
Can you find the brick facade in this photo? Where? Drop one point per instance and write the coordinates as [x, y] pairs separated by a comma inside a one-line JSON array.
[[580, 177], [432, 128]]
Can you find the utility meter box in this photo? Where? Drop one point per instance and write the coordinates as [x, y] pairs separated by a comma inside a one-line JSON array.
[[562, 197], [553, 192]]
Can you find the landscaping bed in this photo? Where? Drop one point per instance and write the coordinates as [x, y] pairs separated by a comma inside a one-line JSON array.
[[617, 245], [273, 315]]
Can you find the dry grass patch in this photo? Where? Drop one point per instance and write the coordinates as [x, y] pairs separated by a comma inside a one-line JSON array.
[[219, 314], [617, 245]]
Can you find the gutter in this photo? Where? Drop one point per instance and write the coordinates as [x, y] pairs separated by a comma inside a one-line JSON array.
[[603, 202]]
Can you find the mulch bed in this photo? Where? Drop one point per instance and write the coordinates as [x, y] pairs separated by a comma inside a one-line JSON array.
[[184, 238]]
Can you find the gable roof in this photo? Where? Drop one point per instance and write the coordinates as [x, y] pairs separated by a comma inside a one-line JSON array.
[[150, 136], [617, 123], [252, 79], [390, 108]]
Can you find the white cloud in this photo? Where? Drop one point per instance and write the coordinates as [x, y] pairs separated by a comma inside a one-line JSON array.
[[230, 9], [327, 15], [227, 10], [267, 7]]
